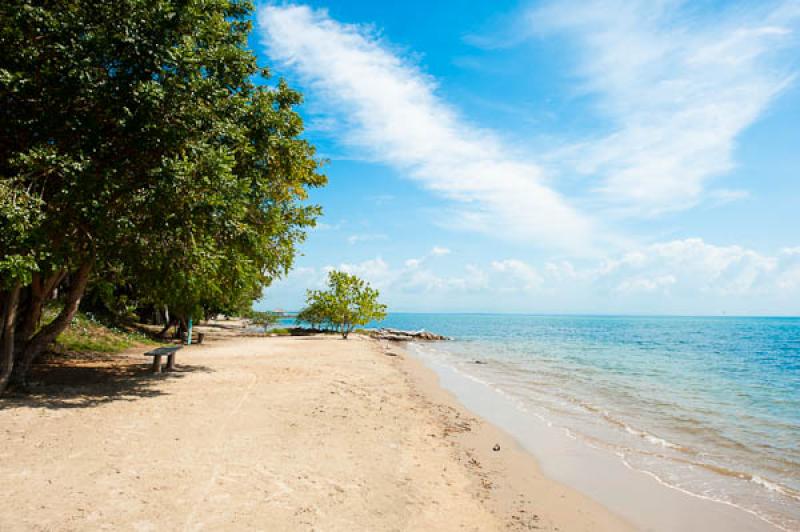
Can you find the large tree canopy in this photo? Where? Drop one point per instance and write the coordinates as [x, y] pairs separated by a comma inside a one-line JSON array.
[[134, 138]]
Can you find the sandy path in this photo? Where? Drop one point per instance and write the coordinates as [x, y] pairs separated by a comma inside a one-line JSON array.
[[307, 433]]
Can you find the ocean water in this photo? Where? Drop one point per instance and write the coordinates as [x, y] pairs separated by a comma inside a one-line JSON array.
[[710, 406]]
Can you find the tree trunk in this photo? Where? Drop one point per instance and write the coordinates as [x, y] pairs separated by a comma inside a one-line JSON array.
[[30, 309], [183, 327], [163, 333], [30, 313], [7, 334], [36, 345]]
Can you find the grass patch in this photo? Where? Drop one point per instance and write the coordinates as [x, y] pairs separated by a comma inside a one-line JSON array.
[[87, 335]]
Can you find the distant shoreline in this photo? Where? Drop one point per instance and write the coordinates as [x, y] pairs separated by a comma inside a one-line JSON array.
[[291, 314]]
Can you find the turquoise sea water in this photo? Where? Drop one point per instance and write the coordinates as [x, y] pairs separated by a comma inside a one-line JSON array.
[[707, 405]]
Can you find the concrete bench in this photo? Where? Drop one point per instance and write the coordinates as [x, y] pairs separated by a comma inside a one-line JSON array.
[[197, 338], [169, 352]]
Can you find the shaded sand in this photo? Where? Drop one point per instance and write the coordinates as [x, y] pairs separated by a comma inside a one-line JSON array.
[[301, 433]]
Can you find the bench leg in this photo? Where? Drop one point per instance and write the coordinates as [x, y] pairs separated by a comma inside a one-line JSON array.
[[171, 362], [157, 364]]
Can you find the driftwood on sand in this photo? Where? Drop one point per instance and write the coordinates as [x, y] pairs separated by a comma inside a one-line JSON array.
[[397, 335]]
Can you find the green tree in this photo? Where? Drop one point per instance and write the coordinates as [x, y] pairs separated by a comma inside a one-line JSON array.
[[19, 218], [146, 147], [347, 303], [261, 318], [313, 314]]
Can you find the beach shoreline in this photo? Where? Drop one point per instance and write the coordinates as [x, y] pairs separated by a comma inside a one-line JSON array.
[[518, 485], [286, 433], [643, 500]]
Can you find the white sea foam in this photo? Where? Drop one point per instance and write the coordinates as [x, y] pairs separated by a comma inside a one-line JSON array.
[[655, 440], [767, 484]]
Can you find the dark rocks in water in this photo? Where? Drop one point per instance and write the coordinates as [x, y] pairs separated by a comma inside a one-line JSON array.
[[480, 362], [396, 335]]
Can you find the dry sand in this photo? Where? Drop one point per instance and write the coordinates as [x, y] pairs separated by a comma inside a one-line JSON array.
[[286, 433]]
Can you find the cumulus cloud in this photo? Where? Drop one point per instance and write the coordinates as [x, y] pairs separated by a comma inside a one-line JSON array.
[[376, 270], [677, 276], [644, 284], [678, 85], [414, 278], [392, 111], [520, 273], [698, 265], [438, 251]]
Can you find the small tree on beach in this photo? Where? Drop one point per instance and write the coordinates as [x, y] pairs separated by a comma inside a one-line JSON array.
[[347, 303], [264, 319], [313, 314]]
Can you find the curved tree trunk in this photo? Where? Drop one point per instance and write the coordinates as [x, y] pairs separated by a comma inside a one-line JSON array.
[[36, 345], [163, 333], [183, 326], [30, 306], [7, 334]]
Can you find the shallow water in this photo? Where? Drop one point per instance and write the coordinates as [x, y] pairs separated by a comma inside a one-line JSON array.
[[710, 406]]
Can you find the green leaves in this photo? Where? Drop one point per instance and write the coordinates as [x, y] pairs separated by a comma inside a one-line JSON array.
[[347, 303], [20, 216], [138, 128]]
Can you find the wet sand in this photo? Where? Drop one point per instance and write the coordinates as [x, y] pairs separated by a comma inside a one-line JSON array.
[[638, 497], [284, 433]]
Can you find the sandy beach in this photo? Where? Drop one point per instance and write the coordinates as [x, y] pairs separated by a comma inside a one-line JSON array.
[[282, 433]]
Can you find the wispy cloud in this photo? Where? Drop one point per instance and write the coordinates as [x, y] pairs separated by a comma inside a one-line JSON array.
[[679, 84], [393, 112], [370, 237]]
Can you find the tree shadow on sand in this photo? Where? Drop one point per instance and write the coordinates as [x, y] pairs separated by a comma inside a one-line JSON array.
[[60, 384]]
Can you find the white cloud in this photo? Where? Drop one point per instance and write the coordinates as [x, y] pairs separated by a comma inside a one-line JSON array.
[[375, 270], [690, 265], [414, 278], [393, 112], [439, 251], [355, 239], [643, 284], [322, 226], [678, 276], [520, 273], [789, 280], [684, 268], [413, 263], [678, 86]]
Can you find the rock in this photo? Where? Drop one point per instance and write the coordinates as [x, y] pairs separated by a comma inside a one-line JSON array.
[[480, 362], [496, 447], [396, 335]]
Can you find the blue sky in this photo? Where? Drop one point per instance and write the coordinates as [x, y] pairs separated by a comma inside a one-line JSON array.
[[550, 157]]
